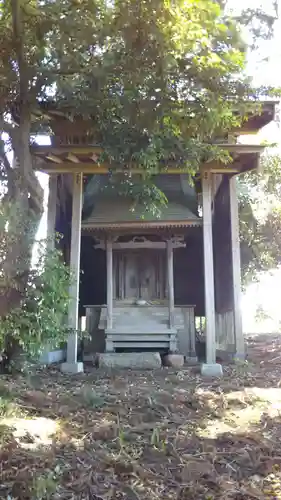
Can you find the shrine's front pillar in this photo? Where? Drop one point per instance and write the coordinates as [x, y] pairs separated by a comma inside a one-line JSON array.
[[210, 368], [170, 275], [236, 270], [109, 294], [71, 365], [51, 211]]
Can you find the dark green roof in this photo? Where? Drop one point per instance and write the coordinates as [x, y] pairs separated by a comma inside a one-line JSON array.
[[112, 212]]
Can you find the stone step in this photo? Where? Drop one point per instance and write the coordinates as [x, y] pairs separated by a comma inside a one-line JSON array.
[[139, 344], [140, 337], [141, 331], [141, 360]]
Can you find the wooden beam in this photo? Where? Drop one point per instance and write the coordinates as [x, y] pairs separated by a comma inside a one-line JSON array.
[[157, 245], [141, 224], [170, 275], [94, 157], [85, 150], [52, 211], [209, 270], [75, 249], [104, 168], [236, 269], [109, 281], [71, 157], [242, 148], [60, 166], [53, 158], [221, 170]]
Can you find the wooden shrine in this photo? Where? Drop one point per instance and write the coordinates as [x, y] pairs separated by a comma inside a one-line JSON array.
[[141, 281]]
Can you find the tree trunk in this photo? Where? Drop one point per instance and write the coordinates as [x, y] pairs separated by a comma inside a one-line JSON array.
[[23, 216]]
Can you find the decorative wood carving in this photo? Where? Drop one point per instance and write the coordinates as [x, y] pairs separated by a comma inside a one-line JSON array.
[[138, 242]]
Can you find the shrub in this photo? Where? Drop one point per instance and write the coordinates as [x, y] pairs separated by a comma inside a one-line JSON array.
[[40, 319]]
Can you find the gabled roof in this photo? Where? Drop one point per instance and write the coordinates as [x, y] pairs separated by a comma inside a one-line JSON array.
[[117, 212]]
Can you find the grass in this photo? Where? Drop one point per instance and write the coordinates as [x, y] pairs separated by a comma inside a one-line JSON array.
[[144, 435]]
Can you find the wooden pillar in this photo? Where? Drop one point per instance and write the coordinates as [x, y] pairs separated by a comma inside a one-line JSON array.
[[71, 365], [236, 269], [109, 295], [170, 275], [209, 277], [52, 210]]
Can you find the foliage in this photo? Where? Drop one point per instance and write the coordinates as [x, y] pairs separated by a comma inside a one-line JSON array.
[[160, 81], [260, 215], [29, 66], [159, 95], [39, 320]]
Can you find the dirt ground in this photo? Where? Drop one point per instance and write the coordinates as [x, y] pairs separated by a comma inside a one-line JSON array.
[[148, 435]]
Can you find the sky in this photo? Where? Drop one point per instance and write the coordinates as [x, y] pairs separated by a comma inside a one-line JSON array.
[[263, 66]]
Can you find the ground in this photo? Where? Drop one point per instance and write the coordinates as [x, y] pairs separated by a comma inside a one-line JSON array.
[[144, 435]]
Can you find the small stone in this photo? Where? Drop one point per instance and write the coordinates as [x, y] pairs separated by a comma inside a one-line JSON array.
[[174, 360]]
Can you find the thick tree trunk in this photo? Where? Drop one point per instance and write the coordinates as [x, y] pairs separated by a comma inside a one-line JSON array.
[[21, 221]]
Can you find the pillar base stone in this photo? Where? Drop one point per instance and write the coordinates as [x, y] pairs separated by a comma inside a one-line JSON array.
[[211, 370], [72, 368]]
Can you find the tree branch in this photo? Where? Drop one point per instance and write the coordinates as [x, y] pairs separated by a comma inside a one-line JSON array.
[[19, 46]]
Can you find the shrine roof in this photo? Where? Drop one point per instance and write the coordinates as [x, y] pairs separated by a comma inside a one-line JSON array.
[[117, 212]]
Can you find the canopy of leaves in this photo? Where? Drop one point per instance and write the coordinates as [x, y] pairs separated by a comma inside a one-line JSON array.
[[260, 215], [160, 80], [162, 83]]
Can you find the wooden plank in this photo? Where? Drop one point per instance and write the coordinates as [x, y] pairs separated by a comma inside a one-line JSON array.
[[52, 211], [142, 224], [109, 281], [170, 276], [236, 269], [94, 157], [63, 167], [156, 345], [71, 157], [140, 338], [157, 245], [191, 318], [75, 250], [241, 148], [53, 158], [104, 168], [150, 330], [209, 270], [84, 150]]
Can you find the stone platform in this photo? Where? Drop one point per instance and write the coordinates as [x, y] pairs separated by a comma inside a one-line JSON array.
[[133, 360]]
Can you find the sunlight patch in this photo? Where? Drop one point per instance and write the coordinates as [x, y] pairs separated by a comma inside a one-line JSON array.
[[32, 433], [244, 409]]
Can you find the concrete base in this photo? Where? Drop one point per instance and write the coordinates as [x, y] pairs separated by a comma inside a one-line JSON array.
[[211, 370], [72, 368], [134, 360]]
